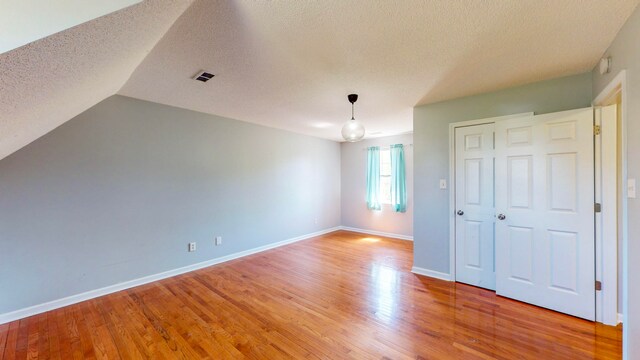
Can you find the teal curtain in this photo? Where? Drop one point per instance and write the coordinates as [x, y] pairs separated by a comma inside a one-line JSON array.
[[398, 179], [373, 178]]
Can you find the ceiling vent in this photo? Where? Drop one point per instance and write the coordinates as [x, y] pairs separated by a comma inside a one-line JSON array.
[[203, 76]]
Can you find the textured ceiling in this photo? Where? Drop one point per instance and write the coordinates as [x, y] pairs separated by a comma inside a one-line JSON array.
[[290, 64], [49, 81], [25, 21]]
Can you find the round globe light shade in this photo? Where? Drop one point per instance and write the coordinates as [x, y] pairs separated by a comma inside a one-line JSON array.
[[353, 131]]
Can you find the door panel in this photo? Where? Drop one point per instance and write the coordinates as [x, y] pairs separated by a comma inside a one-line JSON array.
[[563, 251], [519, 181], [521, 248], [563, 184], [472, 244], [473, 181], [545, 188], [474, 198]]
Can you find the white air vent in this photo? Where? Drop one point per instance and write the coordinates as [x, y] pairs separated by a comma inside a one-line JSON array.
[[203, 76]]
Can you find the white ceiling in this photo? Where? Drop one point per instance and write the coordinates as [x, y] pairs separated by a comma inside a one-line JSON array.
[[290, 64], [25, 21], [47, 82]]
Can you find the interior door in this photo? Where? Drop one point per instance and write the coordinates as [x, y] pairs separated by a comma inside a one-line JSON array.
[[475, 211], [545, 205]]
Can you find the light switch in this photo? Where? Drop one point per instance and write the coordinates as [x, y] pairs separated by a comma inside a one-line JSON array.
[[631, 188], [443, 184]]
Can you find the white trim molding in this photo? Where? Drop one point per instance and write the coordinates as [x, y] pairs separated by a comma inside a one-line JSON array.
[[74, 299], [377, 233], [607, 264], [431, 273], [620, 80], [606, 221]]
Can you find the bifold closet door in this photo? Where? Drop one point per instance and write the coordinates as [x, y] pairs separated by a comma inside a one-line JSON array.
[[544, 168], [475, 206]]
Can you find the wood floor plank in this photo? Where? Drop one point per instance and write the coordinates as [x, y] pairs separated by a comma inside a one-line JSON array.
[[12, 341], [64, 342], [338, 296], [39, 338], [23, 338], [102, 341], [4, 334], [115, 320], [54, 339]]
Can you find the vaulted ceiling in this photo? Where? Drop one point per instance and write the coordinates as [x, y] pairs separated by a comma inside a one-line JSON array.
[[290, 64], [47, 82]]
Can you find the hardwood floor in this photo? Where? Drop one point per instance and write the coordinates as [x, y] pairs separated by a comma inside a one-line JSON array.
[[341, 295]]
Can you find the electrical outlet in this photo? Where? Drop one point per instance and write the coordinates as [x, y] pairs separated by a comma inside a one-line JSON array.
[[218, 240], [192, 247], [443, 184]]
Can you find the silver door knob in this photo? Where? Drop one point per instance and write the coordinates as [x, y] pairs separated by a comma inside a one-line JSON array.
[[460, 212], [501, 217]]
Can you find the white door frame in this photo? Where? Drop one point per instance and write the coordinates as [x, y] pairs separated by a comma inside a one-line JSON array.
[[606, 183], [452, 174], [608, 297]]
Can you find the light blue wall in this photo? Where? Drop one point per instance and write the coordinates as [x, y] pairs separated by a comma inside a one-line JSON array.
[[431, 151], [117, 193], [625, 54]]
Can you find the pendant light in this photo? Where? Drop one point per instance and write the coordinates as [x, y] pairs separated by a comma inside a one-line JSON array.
[[353, 130]]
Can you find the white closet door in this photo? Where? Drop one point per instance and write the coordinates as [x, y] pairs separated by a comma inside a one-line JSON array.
[[545, 205], [475, 206]]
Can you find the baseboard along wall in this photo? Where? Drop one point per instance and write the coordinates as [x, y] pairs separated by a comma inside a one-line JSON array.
[[73, 299], [377, 233], [431, 273]]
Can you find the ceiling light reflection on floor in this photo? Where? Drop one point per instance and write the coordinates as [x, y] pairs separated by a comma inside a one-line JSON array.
[[370, 239]]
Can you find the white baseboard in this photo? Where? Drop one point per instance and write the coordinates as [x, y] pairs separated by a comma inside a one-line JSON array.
[[73, 299], [431, 273], [620, 317], [378, 233]]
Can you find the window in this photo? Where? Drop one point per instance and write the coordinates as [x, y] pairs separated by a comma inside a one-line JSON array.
[[385, 176], [386, 183]]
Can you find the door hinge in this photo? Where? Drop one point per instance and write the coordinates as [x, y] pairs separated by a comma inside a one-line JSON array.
[[598, 207], [598, 285], [596, 129]]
